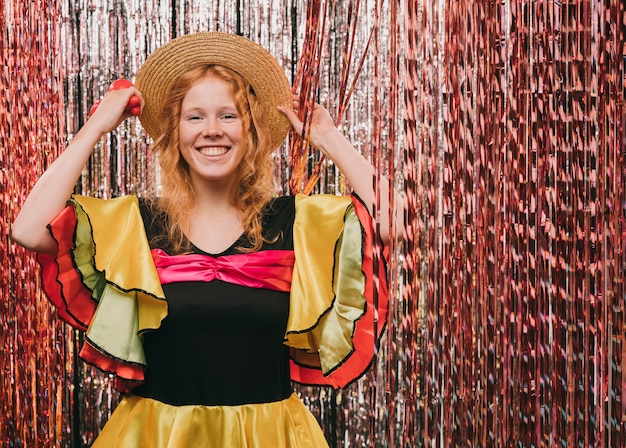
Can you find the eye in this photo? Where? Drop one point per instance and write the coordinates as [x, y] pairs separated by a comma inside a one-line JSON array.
[[194, 117], [229, 116]]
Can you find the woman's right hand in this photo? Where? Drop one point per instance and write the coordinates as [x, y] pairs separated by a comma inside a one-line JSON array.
[[112, 110]]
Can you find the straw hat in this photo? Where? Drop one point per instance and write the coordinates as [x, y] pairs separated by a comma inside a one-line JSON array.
[[250, 60]]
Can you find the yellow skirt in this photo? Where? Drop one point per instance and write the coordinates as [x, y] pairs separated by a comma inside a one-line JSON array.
[[144, 422]]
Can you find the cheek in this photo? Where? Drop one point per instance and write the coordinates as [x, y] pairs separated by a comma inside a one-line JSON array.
[[237, 132], [186, 134], [185, 146], [182, 137], [183, 158]]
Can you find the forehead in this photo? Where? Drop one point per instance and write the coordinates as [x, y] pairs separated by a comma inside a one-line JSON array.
[[209, 89]]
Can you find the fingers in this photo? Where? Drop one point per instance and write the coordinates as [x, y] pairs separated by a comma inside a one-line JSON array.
[[292, 117], [114, 107], [131, 96], [134, 102]]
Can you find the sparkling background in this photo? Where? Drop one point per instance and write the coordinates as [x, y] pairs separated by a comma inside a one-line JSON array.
[[502, 123]]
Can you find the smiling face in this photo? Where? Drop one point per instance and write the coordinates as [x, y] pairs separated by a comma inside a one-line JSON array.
[[211, 132]]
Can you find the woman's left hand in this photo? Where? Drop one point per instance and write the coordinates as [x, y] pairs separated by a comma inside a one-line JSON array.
[[322, 125]]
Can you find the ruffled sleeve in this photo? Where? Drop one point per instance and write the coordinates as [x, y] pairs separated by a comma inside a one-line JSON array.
[[339, 296], [103, 281]]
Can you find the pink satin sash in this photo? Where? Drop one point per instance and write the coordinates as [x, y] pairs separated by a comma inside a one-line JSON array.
[[269, 269]]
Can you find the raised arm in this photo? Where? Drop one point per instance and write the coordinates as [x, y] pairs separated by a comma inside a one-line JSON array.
[[51, 192], [325, 137]]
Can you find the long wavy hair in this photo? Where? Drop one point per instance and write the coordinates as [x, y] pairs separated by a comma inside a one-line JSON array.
[[254, 186]]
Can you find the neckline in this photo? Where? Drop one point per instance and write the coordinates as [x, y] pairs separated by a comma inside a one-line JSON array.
[[229, 250]]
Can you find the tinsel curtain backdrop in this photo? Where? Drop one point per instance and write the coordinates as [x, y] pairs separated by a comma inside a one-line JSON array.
[[500, 122]]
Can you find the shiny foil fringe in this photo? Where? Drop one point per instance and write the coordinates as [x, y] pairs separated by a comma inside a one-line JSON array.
[[501, 123]]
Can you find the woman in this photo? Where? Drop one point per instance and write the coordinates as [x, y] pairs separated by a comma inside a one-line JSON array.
[[208, 300]]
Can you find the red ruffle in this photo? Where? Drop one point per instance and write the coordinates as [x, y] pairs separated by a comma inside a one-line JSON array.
[[127, 375], [61, 280], [368, 328]]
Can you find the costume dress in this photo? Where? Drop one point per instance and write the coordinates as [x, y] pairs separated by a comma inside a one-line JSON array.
[[206, 346]]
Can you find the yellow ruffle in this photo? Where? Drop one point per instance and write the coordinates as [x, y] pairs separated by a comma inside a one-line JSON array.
[[328, 283], [113, 255], [143, 422], [117, 225]]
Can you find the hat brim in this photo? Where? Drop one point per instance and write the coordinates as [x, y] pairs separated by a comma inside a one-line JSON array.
[[257, 66]]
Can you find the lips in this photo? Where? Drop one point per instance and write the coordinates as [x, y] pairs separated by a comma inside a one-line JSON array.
[[213, 151]]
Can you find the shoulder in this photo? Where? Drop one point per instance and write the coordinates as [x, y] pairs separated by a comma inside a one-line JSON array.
[[155, 222], [146, 206], [278, 219], [279, 205], [279, 209], [107, 211]]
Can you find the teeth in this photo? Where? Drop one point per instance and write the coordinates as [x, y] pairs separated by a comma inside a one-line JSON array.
[[213, 151]]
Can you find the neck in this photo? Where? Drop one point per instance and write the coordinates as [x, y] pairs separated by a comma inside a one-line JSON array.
[[213, 196], [216, 210]]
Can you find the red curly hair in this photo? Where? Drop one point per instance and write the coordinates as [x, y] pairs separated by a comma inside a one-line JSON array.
[[254, 182]]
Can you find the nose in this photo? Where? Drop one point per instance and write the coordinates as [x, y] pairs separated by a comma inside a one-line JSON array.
[[211, 130]]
